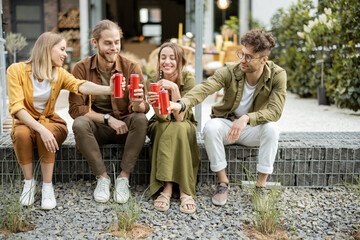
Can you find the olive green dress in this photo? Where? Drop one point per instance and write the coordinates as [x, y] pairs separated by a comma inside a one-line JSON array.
[[174, 152]]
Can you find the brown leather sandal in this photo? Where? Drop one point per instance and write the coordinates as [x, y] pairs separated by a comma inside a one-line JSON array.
[[164, 198]]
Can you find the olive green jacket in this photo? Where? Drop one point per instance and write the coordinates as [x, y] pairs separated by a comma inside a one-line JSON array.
[[268, 100]]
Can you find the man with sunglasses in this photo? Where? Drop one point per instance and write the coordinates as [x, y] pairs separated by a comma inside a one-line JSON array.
[[254, 97]]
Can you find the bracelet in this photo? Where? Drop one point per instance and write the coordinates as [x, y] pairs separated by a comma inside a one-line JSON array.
[[182, 106]]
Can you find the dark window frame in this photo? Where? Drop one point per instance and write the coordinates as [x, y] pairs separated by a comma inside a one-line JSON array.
[[14, 20], [149, 22]]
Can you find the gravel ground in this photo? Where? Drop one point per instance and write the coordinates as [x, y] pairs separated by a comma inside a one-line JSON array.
[[308, 213], [326, 213]]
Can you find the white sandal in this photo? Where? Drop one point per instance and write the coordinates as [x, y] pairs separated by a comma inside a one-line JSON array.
[[187, 200], [166, 201]]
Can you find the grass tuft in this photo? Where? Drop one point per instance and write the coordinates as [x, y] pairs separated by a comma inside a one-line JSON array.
[[127, 214], [267, 213], [266, 203], [353, 187], [14, 217]]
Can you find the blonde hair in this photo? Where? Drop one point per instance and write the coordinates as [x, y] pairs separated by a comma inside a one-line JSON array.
[[40, 58]]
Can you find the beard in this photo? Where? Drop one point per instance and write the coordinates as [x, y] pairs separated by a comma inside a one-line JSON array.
[[249, 69], [105, 57]]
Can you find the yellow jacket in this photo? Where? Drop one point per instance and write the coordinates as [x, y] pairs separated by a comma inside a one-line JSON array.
[[20, 90]]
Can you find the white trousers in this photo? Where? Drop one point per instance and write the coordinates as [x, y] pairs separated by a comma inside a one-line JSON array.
[[266, 136]]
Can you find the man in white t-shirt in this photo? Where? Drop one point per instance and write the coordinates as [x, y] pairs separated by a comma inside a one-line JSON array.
[[254, 97]]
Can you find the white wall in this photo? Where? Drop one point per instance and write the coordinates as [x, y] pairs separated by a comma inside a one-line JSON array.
[[263, 10], [208, 36]]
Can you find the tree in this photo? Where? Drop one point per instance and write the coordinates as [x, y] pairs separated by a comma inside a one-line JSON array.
[[15, 42]]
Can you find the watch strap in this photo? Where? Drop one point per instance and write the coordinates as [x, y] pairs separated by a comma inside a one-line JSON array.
[[106, 119], [182, 106]]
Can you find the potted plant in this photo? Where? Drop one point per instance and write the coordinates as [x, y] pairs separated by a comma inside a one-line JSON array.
[[230, 28], [321, 91]]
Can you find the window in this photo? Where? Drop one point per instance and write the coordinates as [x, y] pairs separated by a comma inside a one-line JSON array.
[[150, 19], [27, 18]]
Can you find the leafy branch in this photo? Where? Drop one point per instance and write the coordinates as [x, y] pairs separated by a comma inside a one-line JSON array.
[[15, 42]]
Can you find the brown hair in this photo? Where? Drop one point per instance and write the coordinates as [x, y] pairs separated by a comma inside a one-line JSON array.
[[40, 57], [104, 25], [179, 58], [259, 40]]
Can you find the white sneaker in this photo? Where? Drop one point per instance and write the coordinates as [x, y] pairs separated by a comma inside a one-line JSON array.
[[102, 190], [121, 193], [28, 194], [48, 200]]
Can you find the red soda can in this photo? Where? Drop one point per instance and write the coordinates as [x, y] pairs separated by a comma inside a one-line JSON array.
[[164, 102], [118, 90], [155, 87], [134, 84]]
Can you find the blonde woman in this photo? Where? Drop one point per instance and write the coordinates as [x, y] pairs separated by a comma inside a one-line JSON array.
[[33, 87]]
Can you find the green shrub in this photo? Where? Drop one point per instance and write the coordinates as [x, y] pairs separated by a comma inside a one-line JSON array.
[[343, 80], [290, 52], [298, 56]]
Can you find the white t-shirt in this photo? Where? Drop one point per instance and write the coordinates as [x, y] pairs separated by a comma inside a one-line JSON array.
[[42, 91], [246, 100]]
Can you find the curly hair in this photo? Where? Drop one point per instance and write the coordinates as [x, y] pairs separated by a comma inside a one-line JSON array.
[[259, 40]]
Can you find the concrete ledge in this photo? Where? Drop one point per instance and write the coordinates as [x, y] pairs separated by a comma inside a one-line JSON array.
[[303, 159]]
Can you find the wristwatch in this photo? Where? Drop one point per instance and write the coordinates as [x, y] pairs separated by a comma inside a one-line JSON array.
[[106, 118]]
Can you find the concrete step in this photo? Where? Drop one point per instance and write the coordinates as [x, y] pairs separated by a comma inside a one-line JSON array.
[[7, 124]]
